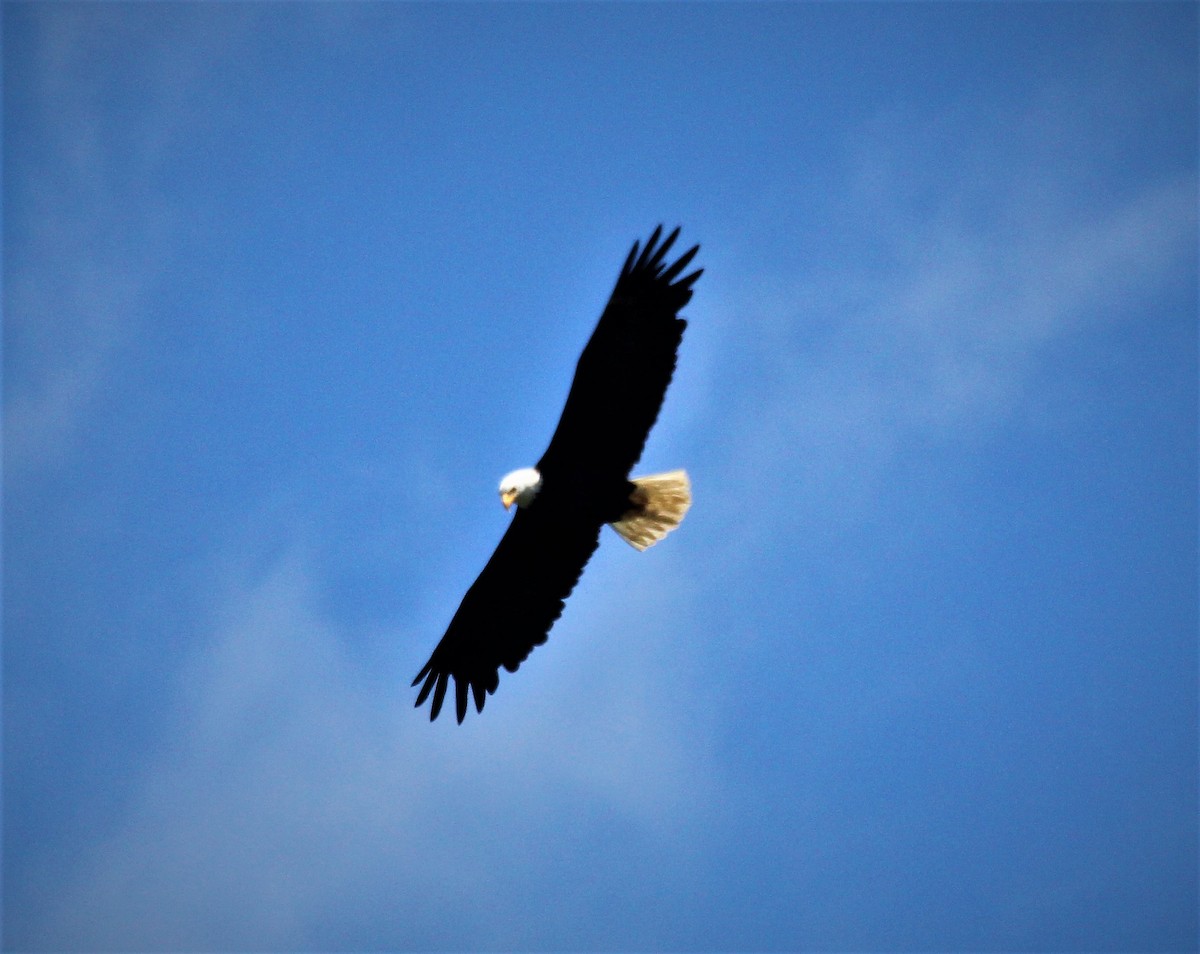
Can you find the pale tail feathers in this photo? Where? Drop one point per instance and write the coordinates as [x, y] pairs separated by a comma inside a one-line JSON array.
[[660, 501]]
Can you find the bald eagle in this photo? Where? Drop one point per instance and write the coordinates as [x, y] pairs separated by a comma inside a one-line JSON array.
[[581, 483]]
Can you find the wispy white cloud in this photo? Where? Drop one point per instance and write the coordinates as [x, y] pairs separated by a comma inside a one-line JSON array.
[[214, 828], [86, 220], [944, 337], [293, 782]]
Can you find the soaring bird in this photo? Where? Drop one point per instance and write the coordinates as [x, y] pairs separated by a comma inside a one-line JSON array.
[[581, 483]]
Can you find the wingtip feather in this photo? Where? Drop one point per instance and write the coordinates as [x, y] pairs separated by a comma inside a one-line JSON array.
[[648, 252], [631, 258], [683, 261], [439, 694], [666, 245], [460, 698]]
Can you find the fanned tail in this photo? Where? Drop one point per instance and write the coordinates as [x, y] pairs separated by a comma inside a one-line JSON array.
[[659, 503]]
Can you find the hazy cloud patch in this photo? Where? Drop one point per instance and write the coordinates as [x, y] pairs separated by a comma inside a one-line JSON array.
[[851, 364], [293, 782], [86, 217]]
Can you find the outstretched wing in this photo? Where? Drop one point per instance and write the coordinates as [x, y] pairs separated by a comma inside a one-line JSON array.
[[510, 608], [623, 373]]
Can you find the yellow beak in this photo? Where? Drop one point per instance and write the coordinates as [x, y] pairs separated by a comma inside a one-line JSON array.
[[507, 498]]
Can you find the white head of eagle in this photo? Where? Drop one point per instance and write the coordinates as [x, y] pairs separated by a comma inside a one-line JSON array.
[[520, 487]]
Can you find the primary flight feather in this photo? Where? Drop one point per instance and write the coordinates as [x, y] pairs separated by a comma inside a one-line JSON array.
[[581, 483]]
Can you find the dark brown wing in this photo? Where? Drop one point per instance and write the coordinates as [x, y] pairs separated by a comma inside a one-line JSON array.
[[510, 608], [623, 373]]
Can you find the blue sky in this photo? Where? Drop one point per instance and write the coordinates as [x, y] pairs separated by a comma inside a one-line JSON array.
[[287, 288]]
